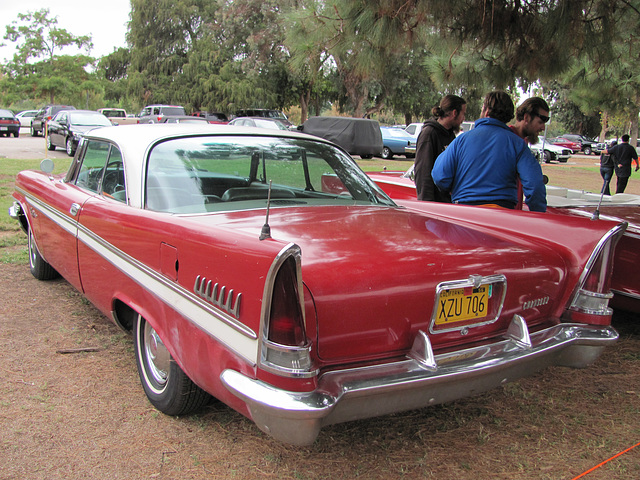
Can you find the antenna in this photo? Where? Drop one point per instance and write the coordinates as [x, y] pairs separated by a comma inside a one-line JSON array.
[[266, 229], [596, 213]]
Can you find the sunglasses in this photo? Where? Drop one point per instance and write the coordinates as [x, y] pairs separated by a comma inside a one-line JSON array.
[[544, 118]]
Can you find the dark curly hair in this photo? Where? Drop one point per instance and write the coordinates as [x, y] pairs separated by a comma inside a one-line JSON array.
[[498, 105]]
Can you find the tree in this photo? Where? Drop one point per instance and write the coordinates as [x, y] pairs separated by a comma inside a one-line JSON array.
[[38, 70]]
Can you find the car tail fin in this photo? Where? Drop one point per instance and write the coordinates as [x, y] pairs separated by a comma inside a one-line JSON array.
[[590, 301], [285, 349]]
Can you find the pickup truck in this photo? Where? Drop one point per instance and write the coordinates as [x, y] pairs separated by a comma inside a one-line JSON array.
[[118, 116]]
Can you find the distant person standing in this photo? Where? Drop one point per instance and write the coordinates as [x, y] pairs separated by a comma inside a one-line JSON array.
[[436, 134], [607, 164], [623, 154], [482, 166]]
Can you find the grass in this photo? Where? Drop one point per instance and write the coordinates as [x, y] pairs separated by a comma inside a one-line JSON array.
[[12, 241]]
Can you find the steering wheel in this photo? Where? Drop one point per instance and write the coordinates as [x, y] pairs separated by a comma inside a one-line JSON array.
[[111, 182]]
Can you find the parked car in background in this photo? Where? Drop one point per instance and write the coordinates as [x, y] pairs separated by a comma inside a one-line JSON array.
[[259, 122], [68, 126], [25, 117], [154, 113], [587, 146], [358, 136], [266, 269], [396, 141], [39, 122], [213, 117], [118, 116], [565, 142], [266, 113], [9, 124], [552, 152], [414, 129], [183, 119]]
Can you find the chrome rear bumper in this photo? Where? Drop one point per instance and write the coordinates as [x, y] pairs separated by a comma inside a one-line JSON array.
[[421, 380]]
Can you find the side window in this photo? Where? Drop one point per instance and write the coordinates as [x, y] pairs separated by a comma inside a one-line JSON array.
[[93, 165], [113, 184]]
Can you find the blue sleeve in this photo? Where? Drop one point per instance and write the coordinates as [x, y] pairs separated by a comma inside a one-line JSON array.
[[530, 172]]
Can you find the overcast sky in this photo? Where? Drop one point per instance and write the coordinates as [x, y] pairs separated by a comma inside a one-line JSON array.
[[104, 21]]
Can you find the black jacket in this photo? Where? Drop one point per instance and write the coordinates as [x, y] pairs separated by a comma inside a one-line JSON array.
[[624, 154], [432, 141]]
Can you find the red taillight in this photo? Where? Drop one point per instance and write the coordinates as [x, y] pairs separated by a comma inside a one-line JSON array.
[[286, 324], [590, 302]]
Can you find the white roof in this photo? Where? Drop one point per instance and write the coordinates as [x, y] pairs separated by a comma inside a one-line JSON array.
[[135, 142]]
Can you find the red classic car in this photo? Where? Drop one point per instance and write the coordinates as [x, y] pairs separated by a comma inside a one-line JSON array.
[[625, 283], [266, 269]]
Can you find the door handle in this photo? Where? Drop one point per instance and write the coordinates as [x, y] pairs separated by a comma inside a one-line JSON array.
[[75, 208]]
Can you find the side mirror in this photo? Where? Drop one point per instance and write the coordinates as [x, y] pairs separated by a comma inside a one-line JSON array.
[[46, 165]]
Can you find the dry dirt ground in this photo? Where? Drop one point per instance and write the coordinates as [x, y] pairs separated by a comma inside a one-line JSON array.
[[85, 416]]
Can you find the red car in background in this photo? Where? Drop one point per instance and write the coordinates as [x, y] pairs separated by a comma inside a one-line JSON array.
[[625, 283], [565, 142]]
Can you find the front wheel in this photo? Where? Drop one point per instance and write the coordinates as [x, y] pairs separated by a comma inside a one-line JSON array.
[[34, 132], [167, 387], [39, 268], [69, 147], [587, 150]]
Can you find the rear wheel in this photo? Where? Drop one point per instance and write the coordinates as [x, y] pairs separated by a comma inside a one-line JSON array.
[[387, 154], [50, 146], [37, 265], [16, 134], [34, 132], [167, 387]]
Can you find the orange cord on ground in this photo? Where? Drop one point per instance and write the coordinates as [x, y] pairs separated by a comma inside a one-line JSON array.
[[608, 460]]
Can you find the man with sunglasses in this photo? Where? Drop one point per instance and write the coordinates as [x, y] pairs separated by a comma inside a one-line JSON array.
[[531, 117], [482, 166]]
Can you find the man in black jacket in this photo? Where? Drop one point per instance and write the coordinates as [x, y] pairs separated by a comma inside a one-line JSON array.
[[436, 134], [623, 154]]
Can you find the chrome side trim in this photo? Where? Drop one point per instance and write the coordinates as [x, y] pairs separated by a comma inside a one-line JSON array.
[[226, 329], [626, 294], [369, 391], [216, 294]]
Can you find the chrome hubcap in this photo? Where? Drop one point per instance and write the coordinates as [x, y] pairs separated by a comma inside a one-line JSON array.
[[157, 356]]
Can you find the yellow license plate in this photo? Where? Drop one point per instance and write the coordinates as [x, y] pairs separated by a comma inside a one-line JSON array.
[[462, 304]]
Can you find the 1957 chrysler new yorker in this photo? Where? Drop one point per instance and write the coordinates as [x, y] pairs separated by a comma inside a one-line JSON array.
[[266, 269]]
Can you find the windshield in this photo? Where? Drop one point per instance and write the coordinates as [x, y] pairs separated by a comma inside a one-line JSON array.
[[88, 119], [220, 173]]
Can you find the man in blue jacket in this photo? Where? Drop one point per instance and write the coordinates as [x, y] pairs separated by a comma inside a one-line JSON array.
[[482, 166]]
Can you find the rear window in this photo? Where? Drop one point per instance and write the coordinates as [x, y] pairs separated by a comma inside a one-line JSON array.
[[173, 111], [221, 173]]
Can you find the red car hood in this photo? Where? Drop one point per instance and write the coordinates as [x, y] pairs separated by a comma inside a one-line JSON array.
[[372, 272]]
